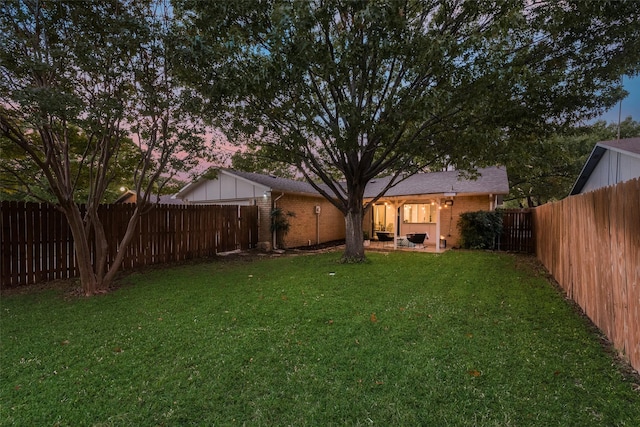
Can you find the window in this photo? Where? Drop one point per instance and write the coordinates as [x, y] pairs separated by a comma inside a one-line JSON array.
[[382, 218], [418, 213]]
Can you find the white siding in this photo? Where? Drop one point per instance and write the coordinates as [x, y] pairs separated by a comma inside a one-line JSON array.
[[612, 168], [226, 189], [629, 168]]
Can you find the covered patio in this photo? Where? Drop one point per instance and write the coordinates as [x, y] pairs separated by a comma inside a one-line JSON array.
[[429, 204], [403, 245], [396, 222]]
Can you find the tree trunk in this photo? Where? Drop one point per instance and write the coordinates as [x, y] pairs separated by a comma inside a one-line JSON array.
[[88, 278], [122, 248], [94, 276], [354, 246]]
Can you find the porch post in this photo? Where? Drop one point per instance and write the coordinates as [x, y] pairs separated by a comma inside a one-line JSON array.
[[438, 225], [395, 226]]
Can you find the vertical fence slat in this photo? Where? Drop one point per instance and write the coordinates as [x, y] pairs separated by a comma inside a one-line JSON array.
[[37, 244], [517, 231], [591, 245]]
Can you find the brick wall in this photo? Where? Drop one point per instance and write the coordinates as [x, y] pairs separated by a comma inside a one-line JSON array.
[[305, 225], [450, 215], [264, 219]]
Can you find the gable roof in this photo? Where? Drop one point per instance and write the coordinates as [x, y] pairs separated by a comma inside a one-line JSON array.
[[628, 146], [492, 180], [276, 183]]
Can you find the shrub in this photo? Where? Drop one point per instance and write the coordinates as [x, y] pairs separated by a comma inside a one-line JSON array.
[[480, 230], [280, 224]]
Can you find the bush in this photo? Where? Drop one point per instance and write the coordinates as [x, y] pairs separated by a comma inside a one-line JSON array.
[[480, 230], [280, 224]]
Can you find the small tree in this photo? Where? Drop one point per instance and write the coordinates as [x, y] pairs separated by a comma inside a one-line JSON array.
[[100, 71]]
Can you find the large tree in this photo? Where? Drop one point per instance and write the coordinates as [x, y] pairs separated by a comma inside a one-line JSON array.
[[251, 159], [347, 90], [80, 81]]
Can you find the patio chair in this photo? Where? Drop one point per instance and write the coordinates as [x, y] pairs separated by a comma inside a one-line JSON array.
[[384, 236], [417, 238]]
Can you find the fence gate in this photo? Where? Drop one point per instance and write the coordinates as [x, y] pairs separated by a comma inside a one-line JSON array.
[[517, 231]]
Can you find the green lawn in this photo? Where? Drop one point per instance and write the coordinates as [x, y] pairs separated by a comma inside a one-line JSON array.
[[463, 338]]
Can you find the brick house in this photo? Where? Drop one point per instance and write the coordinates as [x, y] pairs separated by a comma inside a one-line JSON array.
[[423, 203], [432, 203], [316, 220]]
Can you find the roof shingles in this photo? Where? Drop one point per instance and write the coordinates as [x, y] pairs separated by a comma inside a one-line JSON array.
[[492, 180]]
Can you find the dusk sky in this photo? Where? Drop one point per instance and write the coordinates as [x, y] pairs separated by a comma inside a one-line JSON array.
[[630, 105]]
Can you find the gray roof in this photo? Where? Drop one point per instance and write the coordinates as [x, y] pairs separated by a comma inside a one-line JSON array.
[[276, 183], [630, 146], [166, 199], [492, 180]]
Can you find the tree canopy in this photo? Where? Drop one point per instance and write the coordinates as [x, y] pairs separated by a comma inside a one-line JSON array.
[[546, 169], [85, 87], [22, 179], [348, 90]]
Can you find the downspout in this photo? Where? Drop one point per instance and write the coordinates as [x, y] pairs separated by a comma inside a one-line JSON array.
[[273, 234]]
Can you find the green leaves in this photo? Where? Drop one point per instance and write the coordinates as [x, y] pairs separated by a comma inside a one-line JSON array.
[[480, 230], [543, 168], [354, 89]]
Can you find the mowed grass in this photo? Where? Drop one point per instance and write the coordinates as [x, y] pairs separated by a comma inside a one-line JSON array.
[[462, 338]]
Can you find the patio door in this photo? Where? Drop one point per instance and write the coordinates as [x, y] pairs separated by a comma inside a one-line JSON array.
[[382, 217]]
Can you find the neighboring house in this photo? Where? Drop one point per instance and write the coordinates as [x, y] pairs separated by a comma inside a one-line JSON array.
[[429, 202], [316, 220], [131, 197], [610, 162], [432, 203]]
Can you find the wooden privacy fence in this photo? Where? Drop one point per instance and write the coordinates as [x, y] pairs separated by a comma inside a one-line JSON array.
[[517, 231], [590, 243], [37, 245]]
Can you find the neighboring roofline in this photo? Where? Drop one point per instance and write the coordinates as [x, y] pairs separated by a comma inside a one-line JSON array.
[[124, 196], [621, 146], [594, 158], [591, 163]]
